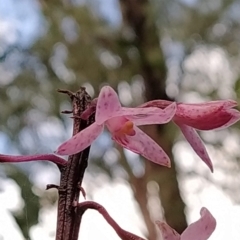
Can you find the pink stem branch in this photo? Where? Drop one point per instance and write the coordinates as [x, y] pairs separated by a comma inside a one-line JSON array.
[[28, 158], [124, 235]]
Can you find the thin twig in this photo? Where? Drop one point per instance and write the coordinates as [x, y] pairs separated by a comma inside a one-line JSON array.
[[124, 235]]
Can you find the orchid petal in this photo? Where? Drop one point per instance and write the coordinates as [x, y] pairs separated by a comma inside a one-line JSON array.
[[156, 103], [168, 233], [235, 118], [201, 229], [146, 116], [228, 103], [28, 158], [81, 140], [107, 105], [206, 116], [142, 144], [195, 141]]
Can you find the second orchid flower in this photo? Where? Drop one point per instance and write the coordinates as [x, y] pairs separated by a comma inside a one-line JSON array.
[[202, 116]]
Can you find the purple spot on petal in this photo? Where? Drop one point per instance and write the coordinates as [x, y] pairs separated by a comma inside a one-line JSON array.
[[201, 151]]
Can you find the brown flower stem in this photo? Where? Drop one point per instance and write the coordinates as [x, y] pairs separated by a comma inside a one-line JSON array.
[[124, 235], [68, 222]]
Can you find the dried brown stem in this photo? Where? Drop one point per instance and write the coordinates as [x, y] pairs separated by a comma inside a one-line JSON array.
[[69, 220]]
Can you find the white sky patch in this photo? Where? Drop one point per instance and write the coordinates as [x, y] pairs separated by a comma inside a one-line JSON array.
[[8, 228], [137, 89], [209, 68], [9, 201], [20, 19], [135, 163], [124, 93], [111, 156], [109, 60], [109, 9], [7, 33]]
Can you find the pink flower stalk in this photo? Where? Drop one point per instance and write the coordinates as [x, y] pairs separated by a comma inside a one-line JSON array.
[[202, 116], [199, 230], [122, 124], [125, 235], [28, 158]]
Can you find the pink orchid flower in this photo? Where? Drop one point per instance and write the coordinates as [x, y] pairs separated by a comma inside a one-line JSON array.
[[202, 116], [122, 123], [199, 230]]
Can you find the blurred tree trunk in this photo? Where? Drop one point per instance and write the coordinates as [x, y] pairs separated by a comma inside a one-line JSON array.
[[153, 69]]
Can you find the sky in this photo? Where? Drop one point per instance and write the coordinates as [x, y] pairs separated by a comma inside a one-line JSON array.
[[18, 21]]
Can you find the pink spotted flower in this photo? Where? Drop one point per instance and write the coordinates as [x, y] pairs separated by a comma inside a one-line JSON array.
[[123, 125], [199, 230], [203, 116]]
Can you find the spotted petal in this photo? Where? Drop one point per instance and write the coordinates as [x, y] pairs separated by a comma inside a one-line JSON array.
[[201, 229], [228, 103], [151, 115], [168, 233], [142, 144], [235, 118], [207, 116], [107, 105], [81, 140], [196, 143]]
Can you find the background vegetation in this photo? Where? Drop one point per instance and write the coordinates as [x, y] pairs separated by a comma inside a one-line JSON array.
[[145, 49]]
